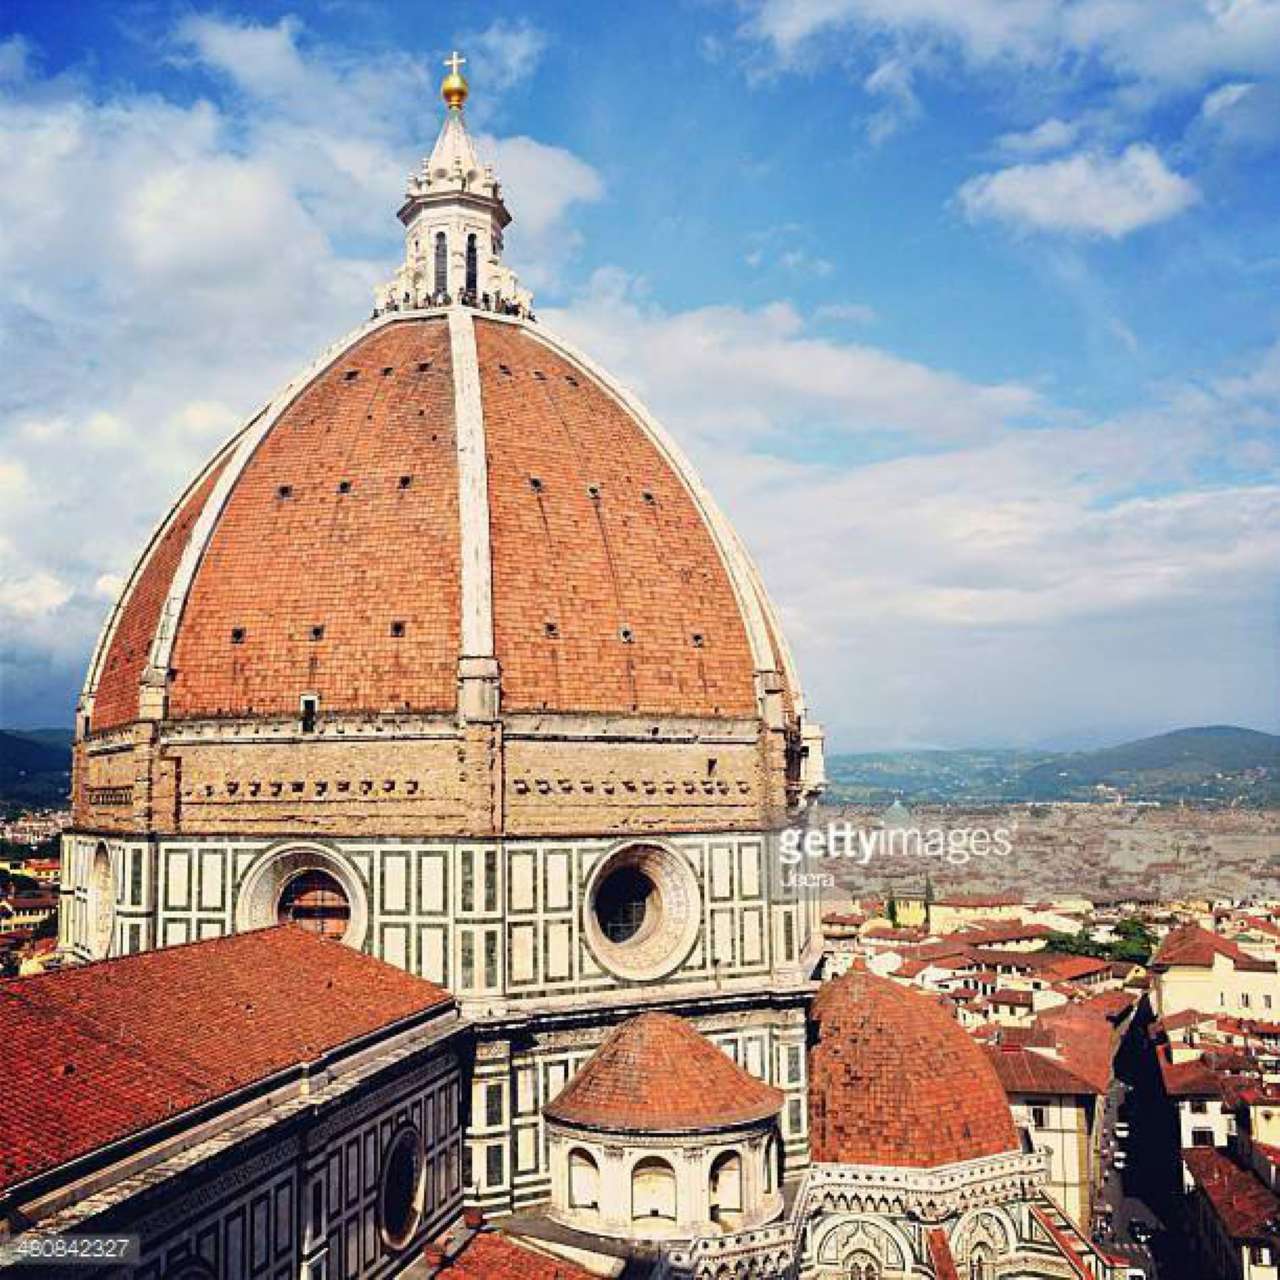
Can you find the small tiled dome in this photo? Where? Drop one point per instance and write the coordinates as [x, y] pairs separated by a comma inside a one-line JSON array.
[[894, 1080], [656, 1074]]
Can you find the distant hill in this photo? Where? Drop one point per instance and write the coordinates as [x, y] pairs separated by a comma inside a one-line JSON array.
[[35, 767], [1216, 763], [1165, 764]]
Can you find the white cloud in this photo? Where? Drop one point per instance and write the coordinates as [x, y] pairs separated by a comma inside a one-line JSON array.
[[542, 183], [1224, 98], [772, 376], [34, 596], [892, 83], [1050, 135], [929, 587], [1088, 193], [1174, 44], [167, 263], [801, 262], [504, 54]]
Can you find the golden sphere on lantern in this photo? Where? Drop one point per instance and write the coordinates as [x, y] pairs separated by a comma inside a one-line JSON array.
[[454, 88]]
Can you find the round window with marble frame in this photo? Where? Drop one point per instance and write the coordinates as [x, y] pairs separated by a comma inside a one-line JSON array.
[[400, 1187], [642, 910], [101, 902], [259, 896]]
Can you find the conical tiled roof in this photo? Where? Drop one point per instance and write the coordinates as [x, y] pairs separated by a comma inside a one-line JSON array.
[[655, 1073]]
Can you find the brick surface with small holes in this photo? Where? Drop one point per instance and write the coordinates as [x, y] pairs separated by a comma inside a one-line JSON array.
[[322, 548], [116, 702], [607, 546]]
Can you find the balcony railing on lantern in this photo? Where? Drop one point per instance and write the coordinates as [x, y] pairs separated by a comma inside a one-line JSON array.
[[496, 304]]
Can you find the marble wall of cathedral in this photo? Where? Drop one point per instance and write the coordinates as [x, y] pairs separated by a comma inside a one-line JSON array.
[[351, 1183], [519, 931]]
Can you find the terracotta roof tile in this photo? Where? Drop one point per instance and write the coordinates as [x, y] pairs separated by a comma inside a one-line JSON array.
[[292, 550], [1194, 947], [90, 1055], [491, 1256], [894, 1080], [944, 1264], [115, 700], [1246, 1208], [611, 539], [656, 1073], [1024, 1070]]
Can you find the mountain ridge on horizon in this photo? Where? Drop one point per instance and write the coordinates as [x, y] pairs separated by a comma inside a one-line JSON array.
[[1211, 763]]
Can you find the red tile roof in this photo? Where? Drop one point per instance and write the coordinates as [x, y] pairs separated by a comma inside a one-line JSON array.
[[349, 560], [894, 1080], [491, 1256], [91, 1055], [979, 900], [116, 697], [1247, 1209], [1085, 1038], [593, 563], [1193, 947], [1013, 999], [1023, 1070], [655, 1073], [1196, 1079], [993, 933]]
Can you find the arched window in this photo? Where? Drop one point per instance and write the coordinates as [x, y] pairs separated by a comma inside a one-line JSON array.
[[772, 1164], [863, 1266], [442, 263], [653, 1190], [980, 1264], [726, 1189], [584, 1181], [472, 266]]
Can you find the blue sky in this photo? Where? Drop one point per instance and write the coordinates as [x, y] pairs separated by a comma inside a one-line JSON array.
[[969, 313]]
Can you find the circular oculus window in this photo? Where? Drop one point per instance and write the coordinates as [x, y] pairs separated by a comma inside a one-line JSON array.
[[643, 908], [306, 885]]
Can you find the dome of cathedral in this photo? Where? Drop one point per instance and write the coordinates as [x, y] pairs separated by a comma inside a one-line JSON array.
[[656, 1073], [326, 551], [453, 530], [895, 1080]]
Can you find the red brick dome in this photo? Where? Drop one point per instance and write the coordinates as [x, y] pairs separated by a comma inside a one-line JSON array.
[[894, 1080], [414, 499], [655, 1073]]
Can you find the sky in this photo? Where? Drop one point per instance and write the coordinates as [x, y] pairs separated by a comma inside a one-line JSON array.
[[968, 313]]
